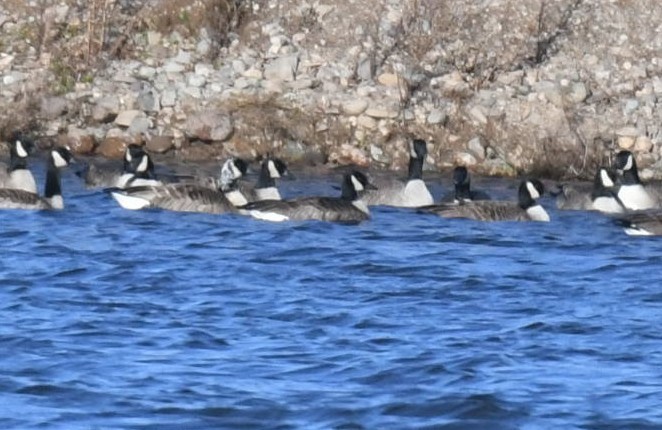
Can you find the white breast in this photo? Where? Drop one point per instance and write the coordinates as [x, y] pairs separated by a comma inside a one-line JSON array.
[[538, 213], [607, 205], [270, 193], [22, 179], [635, 197], [268, 216], [416, 194]]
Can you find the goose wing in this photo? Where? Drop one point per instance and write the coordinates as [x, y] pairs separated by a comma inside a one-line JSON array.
[[181, 197], [20, 199], [308, 208], [481, 211], [574, 197], [388, 193]]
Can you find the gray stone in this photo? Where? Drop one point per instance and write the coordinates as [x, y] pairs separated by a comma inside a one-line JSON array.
[[436, 116], [204, 69], [476, 148], [196, 80], [148, 100], [282, 68], [209, 126], [183, 57], [385, 110], [153, 38], [140, 125], [146, 72], [125, 118], [173, 67], [168, 98], [354, 107], [365, 69], [53, 107], [106, 109]]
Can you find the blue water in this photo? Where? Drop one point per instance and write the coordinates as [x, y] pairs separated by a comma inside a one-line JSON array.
[[153, 320]]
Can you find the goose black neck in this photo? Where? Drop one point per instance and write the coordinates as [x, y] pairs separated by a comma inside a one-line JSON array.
[[265, 180], [463, 191], [53, 187], [348, 191], [631, 176], [17, 163], [416, 168]]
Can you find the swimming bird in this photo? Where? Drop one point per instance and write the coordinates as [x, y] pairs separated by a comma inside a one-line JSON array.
[[137, 169], [632, 192], [641, 223], [265, 188], [188, 197], [413, 192], [52, 198], [17, 175], [462, 188], [349, 207], [527, 208], [602, 196]]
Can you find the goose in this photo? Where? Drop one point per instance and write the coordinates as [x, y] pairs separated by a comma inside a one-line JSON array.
[[17, 175], [413, 192], [188, 197], [137, 169], [265, 188], [52, 199], [349, 207], [463, 192], [601, 197], [527, 208], [632, 192], [641, 223]]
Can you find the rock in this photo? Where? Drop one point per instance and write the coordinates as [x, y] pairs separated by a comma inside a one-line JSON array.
[[354, 107], [153, 38], [476, 148], [627, 131], [367, 122], [160, 144], [626, 142], [168, 98], [348, 154], [204, 69], [106, 109], [196, 80], [112, 147], [146, 72], [209, 126], [365, 68], [385, 110], [80, 142], [6, 61], [390, 80], [282, 68], [148, 101], [125, 118], [140, 125], [53, 107], [436, 116], [173, 67], [643, 144]]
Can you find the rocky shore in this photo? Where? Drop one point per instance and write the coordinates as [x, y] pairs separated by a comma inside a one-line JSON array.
[[504, 87]]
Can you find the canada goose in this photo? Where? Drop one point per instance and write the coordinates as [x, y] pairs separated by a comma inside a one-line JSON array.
[[641, 223], [265, 188], [632, 192], [526, 208], [602, 196], [137, 169], [52, 199], [188, 197], [413, 193], [17, 176], [349, 207], [463, 192]]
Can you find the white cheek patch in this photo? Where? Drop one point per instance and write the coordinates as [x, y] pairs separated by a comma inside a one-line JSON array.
[[127, 156], [606, 180], [58, 160], [358, 186], [273, 171], [236, 173], [20, 150], [412, 151], [142, 167], [628, 165], [533, 192]]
